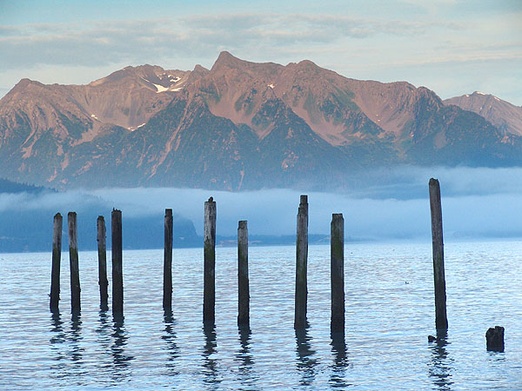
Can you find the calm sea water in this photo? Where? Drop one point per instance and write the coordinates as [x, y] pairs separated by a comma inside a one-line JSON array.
[[389, 296]]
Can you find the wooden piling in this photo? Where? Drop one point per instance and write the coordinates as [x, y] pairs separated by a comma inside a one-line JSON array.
[[117, 264], [441, 319], [167, 261], [56, 260], [243, 318], [209, 282], [103, 281], [495, 339], [301, 290], [337, 273], [73, 262]]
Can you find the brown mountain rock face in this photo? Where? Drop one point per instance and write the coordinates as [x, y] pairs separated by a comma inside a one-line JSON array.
[[242, 125], [131, 96], [505, 116]]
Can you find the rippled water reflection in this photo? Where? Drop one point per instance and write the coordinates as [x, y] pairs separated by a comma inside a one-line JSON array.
[[389, 316]]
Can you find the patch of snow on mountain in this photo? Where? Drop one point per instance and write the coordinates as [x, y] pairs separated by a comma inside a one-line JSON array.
[[160, 88], [137, 127]]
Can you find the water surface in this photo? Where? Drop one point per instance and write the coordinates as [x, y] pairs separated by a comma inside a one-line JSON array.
[[389, 314]]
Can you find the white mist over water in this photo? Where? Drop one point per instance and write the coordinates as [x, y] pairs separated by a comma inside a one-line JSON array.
[[385, 204]]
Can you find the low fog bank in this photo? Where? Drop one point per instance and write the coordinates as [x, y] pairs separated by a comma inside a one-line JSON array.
[[382, 205], [273, 212], [408, 182], [26, 222]]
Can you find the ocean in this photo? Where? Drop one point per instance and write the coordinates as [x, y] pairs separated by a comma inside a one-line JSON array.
[[389, 315]]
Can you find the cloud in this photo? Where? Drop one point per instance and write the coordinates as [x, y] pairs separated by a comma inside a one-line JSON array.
[[98, 44], [384, 205], [430, 46]]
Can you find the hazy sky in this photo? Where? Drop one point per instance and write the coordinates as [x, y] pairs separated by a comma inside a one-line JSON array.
[[452, 47]]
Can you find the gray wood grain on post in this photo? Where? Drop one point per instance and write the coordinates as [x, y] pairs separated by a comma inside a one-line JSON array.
[[117, 264], [56, 260], [243, 318], [441, 319], [209, 278], [301, 289], [167, 261], [103, 281], [74, 264], [337, 273]]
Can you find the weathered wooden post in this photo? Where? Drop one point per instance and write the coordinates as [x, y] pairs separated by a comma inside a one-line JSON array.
[[103, 281], [243, 318], [209, 281], [55, 268], [337, 273], [441, 319], [117, 264], [301, 290], [73, 262], [167, 262], [495, 339]]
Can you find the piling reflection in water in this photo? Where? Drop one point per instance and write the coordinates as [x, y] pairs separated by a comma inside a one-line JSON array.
[[57, 345], [306, 362], [169, 336], [76, 337], [440, 367], [247, 376], [340, 361], [210, 362], [58, 335], [121, 359], [67, 346], [104, 340]]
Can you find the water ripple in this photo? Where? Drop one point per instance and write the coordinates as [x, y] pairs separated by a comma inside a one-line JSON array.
[[389, 314]]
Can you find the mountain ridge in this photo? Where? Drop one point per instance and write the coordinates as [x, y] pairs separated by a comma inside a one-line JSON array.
[[240, 125], [504, 115]]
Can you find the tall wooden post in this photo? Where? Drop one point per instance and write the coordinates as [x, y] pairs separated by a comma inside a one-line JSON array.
[[209, 282], [167, 262], [243, 318], [441, 319], [73, 262], [337, 273], [117, 264], [301, 290], [103, 281], [55, 268]]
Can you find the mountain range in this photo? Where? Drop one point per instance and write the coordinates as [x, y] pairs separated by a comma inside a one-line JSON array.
[[242, 125]]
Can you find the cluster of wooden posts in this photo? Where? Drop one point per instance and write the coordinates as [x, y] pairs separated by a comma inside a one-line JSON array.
[[209, 283], [337, 324]]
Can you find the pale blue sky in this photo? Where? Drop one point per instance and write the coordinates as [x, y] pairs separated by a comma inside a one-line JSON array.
[[452, 47]]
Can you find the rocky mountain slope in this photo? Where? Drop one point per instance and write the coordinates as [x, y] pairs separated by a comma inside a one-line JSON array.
[[239, 125], [505, 116]]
